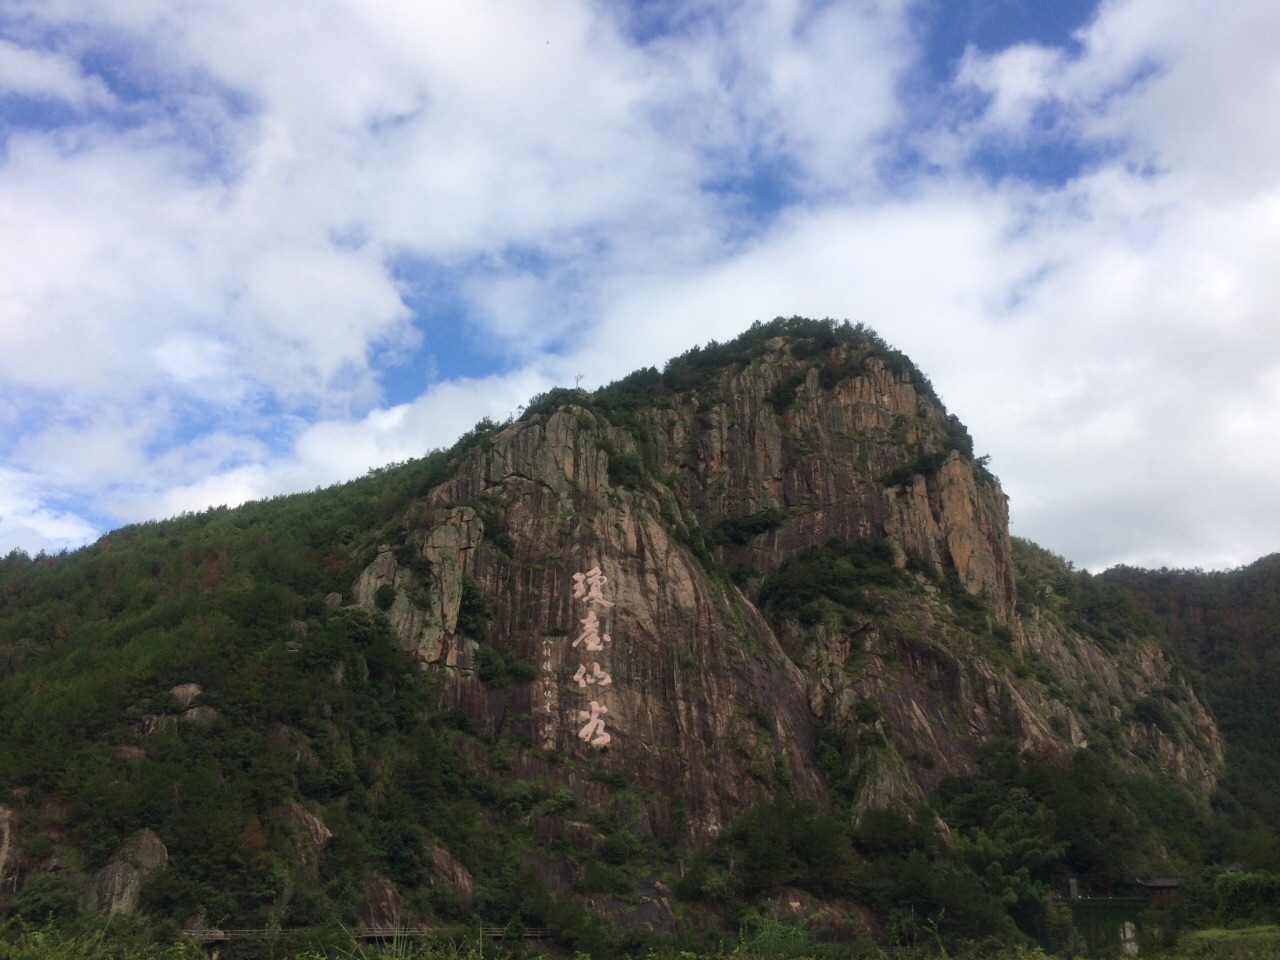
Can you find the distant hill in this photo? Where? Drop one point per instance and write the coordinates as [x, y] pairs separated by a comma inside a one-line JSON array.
[[748, 630], [1225, 627]]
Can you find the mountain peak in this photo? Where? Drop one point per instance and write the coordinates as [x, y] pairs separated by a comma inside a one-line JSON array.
[[767, 588]]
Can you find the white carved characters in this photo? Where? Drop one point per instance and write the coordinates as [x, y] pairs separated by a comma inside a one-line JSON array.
[[591, 637], [589, 588], [596, 676], [593, 732]]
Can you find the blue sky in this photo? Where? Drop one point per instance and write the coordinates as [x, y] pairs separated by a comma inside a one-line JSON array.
[[254, 248]]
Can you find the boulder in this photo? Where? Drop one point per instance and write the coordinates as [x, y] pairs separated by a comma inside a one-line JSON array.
[[117, 885], [186, 693], [6, 835], [310, 835], [450, 871], [202, 716], [382, 908]]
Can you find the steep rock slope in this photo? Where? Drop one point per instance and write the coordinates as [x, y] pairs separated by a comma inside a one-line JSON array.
[[557, 671], [762, 461], [1223, 626], [844, 446], [702, 703]]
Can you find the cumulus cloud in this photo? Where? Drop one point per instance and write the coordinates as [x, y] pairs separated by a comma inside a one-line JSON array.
[[28, 521], [1147, 335], [1019, 81], [226, 471], [48, 75], [211, 265]]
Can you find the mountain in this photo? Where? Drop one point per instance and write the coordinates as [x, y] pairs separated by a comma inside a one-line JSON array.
[[1225, 626], [750, 628]]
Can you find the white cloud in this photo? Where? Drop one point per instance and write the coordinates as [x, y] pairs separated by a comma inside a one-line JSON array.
[[244, 240], [1019, 80], [29, 523], [1210, 117], [1150, 347], [329, 451], [48, 75]]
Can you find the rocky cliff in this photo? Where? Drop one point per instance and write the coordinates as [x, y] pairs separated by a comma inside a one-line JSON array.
[[684, 509], [696, 696], [600, 667]]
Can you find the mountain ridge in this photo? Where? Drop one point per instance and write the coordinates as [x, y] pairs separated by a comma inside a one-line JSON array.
[[773, 576], [741, 455]]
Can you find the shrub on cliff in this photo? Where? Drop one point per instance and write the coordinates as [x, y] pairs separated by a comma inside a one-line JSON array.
[[831, 578]]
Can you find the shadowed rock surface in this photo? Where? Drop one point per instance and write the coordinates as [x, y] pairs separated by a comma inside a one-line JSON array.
[[117, 886]]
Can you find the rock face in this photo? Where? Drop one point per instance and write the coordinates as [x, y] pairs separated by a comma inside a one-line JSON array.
[[701, 701], [382, 908], [1106, 687], [455, 876], [427, 619], [6, 838], [825, 458], [310, 835], [596, 556], [116, 887], [186, 694]]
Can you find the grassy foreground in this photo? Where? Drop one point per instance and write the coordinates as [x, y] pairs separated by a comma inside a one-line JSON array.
[[1249, 943], [20, 942], [127, 941]]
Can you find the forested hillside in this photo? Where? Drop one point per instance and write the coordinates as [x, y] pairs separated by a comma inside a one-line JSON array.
[[743, 638], [1225, 627]]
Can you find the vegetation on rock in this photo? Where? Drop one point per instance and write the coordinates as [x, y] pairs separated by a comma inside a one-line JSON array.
[[964, 726]]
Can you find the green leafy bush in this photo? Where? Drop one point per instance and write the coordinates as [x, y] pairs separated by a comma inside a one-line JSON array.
[[1154, 710], [497, 668], [45, 897], [1252, 897], [627, 470], [738, 531], [833, 577], [475, 610], [782, 844], [384, 597], [783, 396]]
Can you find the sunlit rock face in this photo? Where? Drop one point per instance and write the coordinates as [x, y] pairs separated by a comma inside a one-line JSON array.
[[425, 614], [824, 457], [643, 656]]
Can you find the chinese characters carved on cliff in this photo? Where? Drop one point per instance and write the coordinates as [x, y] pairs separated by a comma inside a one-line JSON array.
[[589, 588]]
